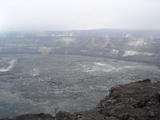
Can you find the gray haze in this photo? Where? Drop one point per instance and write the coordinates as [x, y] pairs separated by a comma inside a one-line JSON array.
[[79, 14]]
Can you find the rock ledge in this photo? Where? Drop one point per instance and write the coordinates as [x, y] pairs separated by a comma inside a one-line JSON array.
[[134, 101]]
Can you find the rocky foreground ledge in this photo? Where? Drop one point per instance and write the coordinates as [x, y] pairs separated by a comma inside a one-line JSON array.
[[134, 101]]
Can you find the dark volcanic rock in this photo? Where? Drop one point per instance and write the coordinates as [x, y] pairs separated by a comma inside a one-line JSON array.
[[134, 101], [40, 116]]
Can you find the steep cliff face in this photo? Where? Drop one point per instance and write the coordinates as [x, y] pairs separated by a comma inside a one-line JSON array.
[[134, 101], [130, 48], [143, 46]]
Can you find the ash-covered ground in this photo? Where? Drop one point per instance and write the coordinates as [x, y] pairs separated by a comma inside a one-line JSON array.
[[49, 83]]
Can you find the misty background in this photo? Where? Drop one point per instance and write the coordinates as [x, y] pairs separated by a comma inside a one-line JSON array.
[[18, 15], [65, 55]]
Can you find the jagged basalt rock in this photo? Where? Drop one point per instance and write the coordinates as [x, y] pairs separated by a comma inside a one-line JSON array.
[[139, 101], [134, 101]]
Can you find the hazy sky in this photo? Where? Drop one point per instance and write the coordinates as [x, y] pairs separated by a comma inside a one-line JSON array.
[[79, 14]]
